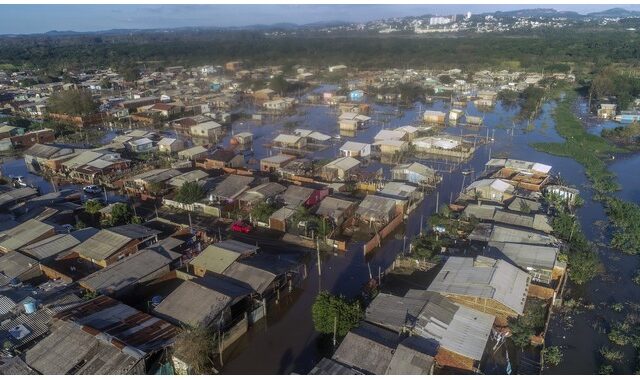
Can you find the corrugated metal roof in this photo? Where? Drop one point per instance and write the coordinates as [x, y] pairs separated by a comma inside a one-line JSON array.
[[144, 265], [215, 259], [514, 235], [23, 234], [14, 264], [134, 231], [232, 186], [199, 302], [368, 348], [528, 255], [58, 243], [414, 356], [258, 279], [393, 312], [17, 194], [102, 245], [331, 367], [485, 278], [296, 195], [374, 207]]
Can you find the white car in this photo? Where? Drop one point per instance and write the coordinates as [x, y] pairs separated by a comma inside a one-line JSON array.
[[92, 189]]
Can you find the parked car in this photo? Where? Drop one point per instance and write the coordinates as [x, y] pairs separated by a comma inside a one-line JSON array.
[[241, 226], [92, 189]]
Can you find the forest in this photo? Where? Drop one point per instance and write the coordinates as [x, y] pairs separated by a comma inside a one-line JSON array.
[[533, 50]]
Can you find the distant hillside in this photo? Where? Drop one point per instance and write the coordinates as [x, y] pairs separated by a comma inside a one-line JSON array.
[[614, 13]]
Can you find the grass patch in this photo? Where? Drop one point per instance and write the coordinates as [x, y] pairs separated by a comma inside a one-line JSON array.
[[591, 152]]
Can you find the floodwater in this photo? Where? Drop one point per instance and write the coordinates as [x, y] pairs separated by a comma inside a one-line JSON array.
[[287, 342]]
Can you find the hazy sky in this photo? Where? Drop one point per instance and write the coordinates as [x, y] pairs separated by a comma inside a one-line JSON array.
[[43, 18]]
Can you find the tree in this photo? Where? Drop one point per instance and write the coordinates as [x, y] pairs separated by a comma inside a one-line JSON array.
[[189, 193], [262, 211], [195, 346], [92, 206], [121, 213], [445, 79], [552, 356], [131, 74], [528, 324], [329, 311], [426, 247], [72, 102], [280, 85]]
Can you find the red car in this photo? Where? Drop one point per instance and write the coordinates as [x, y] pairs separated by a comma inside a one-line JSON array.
[[241, 226]]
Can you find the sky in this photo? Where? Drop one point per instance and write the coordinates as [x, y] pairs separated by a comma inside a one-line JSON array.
[[25, 19]]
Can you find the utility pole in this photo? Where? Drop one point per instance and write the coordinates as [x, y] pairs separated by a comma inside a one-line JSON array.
[[318, 254], [437, 201], [335, 329]]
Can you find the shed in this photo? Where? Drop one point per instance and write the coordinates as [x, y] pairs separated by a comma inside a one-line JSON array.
[[368, 348]]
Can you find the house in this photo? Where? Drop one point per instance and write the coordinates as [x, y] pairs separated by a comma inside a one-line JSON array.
[[101, 337], [415, 173], [194, 153], [264, 95], [355, 149], [495, 190], [352, 121], [273, 163], [434, 117], [115, 243], [460, 334], [31, 138], [388, 134], [142, 145], [410, 132], [170, 145], [289, 141], [280, 220], [145, 182], [165, 110], [242, 138], [10, 131], [491, 286], [24, 234], [56, 245], [336, 210], [331, 367], [539, 261], [340, 170], [390, 147], [230, 188], [205, 301], [607, 111], [17, 266], [563, 192], [217, 257], [264, 275], [313, 137], [222, 158], [403, 194], [208, 130], [265, 192], [369, 349], [376, 209], [296, 196], [121, 277], [13, 197], [297, 169], [188, 177], [233, 66], [279, 105]]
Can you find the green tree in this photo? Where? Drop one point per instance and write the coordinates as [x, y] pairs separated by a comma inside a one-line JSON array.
[[528, 324], [426, 247], [121, 213], [189, 193], [280, 85], [93, 206], [329, 310], [72, 102], [262, 211]]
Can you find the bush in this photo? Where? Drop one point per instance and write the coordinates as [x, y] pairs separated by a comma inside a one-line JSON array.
[[552, 356], [195, 347], [606, 369], [189, 193], [528, 324], [328, 308], [611, 354]]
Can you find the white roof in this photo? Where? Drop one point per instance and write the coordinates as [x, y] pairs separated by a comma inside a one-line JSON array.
[[408, 129], [386, 134], [287, 139], [344, 163], [353, 146]]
